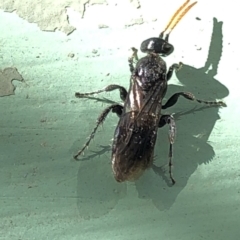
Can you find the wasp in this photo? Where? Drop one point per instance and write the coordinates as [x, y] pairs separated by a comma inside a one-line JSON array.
[[141, 115]]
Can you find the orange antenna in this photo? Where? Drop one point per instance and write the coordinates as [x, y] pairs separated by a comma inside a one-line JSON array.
[[178, 15]]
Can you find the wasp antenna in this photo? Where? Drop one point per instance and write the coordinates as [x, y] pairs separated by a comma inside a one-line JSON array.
[[176, 18], [181, 16], [173, 17]]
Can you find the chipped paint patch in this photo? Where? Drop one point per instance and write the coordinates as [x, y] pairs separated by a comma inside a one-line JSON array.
[[6, 78]]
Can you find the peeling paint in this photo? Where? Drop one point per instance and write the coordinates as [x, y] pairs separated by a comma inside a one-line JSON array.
[[6, 78], [135, 3], [47, 14], [137, 21]]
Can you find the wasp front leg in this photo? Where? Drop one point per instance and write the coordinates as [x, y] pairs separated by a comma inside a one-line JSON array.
[[175, 67], [131, 59]]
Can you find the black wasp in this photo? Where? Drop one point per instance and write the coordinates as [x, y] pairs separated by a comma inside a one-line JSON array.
[[140, 116]]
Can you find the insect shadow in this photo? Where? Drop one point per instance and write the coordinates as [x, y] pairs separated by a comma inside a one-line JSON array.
[[191, 148]]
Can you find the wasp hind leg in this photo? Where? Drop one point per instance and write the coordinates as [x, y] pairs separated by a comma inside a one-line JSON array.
[[168, 119], [115, 108]]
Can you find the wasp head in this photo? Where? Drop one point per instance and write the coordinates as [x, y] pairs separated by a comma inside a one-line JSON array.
[[157, 45]]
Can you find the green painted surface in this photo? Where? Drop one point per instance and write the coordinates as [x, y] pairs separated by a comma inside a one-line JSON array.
[[45, 194]]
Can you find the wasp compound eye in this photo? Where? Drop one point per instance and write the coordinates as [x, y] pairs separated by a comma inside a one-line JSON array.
[[157, 45], [167, 49]]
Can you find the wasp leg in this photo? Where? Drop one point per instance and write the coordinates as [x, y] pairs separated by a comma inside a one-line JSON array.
[[115, 108], [168, 119], [173, 99], [130, 59], [175, 67], [109, 88]]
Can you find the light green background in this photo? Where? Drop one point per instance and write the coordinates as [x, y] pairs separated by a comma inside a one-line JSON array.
[[45, 194]]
